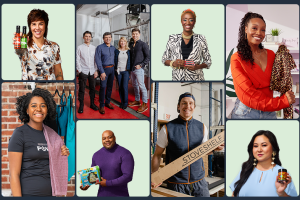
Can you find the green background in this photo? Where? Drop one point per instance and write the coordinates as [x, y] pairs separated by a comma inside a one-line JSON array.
[[130, 134], [61, 29], [239, 134], [165, 20]]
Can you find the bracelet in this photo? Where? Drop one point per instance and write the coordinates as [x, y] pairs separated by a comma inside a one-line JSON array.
[[171, 63]]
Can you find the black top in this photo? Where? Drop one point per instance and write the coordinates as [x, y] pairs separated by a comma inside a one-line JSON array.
[[35, 172], [139, 54], [186, 48]]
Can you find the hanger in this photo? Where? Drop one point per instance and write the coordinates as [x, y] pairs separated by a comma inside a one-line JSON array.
[[56, 92], [63, 96]]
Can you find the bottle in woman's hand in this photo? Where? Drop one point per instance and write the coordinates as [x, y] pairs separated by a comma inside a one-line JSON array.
[[17, 39]]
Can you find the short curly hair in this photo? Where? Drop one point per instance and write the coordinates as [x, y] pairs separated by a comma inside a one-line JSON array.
[[243, 47], [189, 11], [23, 103]]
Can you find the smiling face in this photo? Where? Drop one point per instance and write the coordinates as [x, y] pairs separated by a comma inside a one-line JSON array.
[[135, 35], [107, 39], [262, 149], [188, 22], [122, 43], [186, 107], [37, 110], [255, 30], [38, 29], [108, 139], [87, 38]]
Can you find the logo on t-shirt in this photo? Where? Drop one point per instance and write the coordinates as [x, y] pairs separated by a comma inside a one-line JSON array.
[[42, 147]]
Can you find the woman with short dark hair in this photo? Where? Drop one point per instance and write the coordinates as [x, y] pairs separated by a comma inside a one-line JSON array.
[[41, 60]]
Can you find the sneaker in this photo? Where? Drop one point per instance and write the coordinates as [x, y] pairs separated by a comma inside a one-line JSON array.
[[143, 108], [134, 103]]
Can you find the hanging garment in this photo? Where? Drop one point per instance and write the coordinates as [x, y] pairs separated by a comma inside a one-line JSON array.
[[57, 121], [58, 164], [70, 138], [281, 79], [63, 116]]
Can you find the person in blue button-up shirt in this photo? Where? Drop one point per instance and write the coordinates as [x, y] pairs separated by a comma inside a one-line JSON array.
[[104, 57]]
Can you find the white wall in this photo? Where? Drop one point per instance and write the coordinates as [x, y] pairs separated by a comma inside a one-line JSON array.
[[96, 25], [100, 25]]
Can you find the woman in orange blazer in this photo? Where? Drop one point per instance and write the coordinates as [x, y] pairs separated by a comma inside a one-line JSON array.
[[251, 68]]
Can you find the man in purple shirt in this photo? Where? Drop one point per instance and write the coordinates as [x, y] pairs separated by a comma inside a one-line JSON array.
[[116, 167], [104, 57]]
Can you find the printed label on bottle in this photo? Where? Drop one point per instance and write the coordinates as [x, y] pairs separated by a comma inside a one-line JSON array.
[[282, 176], [17, 43], [24, 43]]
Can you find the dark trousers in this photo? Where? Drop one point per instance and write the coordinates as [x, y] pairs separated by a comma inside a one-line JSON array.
[[123, 79], [108, 84], [82, 83]]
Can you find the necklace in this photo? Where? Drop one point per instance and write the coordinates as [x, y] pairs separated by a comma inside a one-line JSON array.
[[258, 57], [187, 37]]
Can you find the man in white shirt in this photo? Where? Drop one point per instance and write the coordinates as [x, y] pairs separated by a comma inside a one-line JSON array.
[[87, 68], [178, 137]]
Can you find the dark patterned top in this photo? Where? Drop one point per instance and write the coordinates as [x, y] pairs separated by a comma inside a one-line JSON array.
[[199, 55], [38, 63]]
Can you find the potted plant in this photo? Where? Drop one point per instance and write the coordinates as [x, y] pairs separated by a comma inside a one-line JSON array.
[[275, 33]]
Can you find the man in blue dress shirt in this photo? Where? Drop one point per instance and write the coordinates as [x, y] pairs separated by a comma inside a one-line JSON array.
[[104, 58]]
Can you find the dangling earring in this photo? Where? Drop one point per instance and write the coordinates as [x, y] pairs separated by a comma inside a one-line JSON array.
[[254, 162], [273, 158], [245, 36]]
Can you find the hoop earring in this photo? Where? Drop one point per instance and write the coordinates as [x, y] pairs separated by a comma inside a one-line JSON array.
[[254, 162]]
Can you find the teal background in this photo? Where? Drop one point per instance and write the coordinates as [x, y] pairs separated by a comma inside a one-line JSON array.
[[239, 134], [165, 20], [61, 29], [130, 134]]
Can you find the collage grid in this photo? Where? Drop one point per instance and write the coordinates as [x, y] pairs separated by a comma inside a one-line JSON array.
[[177, 85]]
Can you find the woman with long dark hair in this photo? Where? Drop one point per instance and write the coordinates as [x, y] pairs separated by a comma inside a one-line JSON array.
[[41, 60], [258, 176], [36, 152], [187, 46], [251, 68]]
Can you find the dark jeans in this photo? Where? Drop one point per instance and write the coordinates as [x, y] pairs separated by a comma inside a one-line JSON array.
[[82, 83], [197, 189], [123, 79], [108, 84]]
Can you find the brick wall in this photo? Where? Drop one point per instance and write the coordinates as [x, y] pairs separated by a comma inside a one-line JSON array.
[[10, 119]]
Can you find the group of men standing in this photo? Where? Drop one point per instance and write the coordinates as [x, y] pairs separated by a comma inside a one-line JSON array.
[[89, 59]]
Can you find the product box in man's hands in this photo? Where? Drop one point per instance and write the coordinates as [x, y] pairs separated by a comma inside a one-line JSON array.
[[89, 176]]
